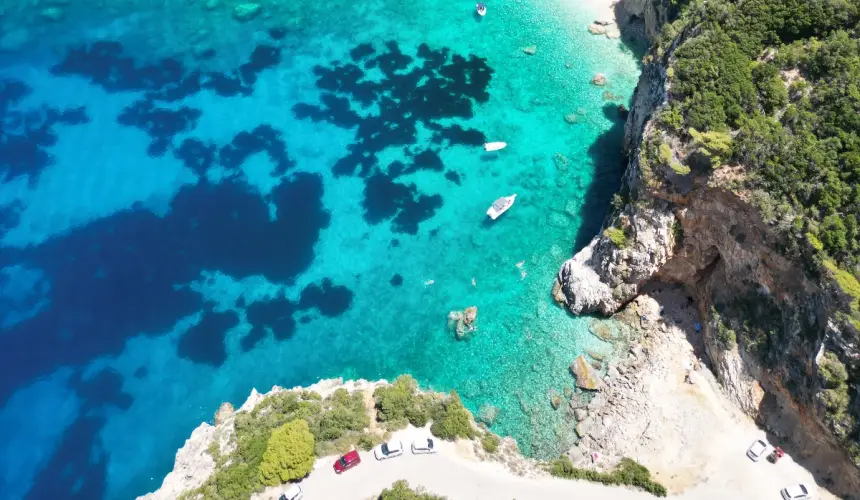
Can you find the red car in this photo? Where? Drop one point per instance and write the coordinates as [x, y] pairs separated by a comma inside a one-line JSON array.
[[347, 462]]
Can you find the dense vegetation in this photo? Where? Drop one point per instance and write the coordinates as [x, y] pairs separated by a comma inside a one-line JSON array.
[[303, 421], [279, 440], [400, 490], [774, 86], [627, 473]]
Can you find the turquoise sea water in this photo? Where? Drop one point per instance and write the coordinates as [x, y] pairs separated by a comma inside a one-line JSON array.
[[346, 255]]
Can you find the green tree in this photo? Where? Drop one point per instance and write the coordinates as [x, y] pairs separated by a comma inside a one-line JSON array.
[[289, 454], [452, 420], [400, 490]]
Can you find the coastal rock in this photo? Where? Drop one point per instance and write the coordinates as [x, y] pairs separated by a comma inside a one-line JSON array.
[[224, 412], [246, 11], [597, 29], [462, 322], [580, 414], [530, 50], [602, 276], [599, 79], [586, 376]]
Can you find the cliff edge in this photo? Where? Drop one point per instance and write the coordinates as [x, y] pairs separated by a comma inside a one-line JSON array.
[[775, 329]]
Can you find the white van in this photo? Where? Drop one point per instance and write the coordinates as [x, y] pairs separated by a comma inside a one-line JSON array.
[[294, 493]]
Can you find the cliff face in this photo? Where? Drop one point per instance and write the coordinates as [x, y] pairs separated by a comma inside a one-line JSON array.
[[769, 324]]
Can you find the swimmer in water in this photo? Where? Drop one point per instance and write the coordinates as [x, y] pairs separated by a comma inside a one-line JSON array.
[[473, 282], [520, 264], [429, 282]]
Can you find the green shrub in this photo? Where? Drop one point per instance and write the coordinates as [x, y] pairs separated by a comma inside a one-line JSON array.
[[627, 473], [846, 281], [451, 420], [815, 242], [725, 335], [832, 370], [399, 403], [490, 442], [400, 490], [671, 118], [368, 441], [716, 146], [616, 236], [289, 454]]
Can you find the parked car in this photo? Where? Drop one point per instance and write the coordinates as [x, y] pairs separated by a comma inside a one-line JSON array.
[[294, 493], [388, 450], [757, 450], [423, 446], [796, 492], [347, 462]]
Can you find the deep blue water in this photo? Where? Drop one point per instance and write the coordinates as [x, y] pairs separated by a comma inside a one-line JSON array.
[[179, 226]]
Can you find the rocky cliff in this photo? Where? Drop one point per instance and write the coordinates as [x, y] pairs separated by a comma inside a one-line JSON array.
[[773, 333], [195, 462]]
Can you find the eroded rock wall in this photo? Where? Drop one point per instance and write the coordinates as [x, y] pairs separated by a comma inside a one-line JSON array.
[[689, 230]]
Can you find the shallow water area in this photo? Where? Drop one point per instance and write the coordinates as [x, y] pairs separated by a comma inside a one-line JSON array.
[[298, 197]]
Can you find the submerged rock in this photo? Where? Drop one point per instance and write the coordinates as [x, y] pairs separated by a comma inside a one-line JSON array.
[[599, 79], [54, 14], [571, 118], [462, 322], [487, 414], [586, 376], [212, 4], [597, 29], [530, 50], [246, 11], [555, 401]]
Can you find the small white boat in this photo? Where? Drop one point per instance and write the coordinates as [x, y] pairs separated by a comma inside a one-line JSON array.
[[482, 9], [495, 146], [501, 206]]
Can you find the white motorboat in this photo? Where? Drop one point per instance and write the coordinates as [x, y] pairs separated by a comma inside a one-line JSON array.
[[481, 8], [501, 206], [495, 146]]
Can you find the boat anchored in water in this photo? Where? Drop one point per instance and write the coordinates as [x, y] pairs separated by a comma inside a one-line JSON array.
[[501, 206], [495, 146], [481, 8]]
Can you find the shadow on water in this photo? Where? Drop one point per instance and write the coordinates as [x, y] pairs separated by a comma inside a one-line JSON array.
[[116, 277], [609, 165]]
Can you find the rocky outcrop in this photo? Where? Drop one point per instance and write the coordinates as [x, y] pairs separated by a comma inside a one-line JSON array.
[[194, 463], [776, 316], [654, 14], [587, 377], [462, 322]]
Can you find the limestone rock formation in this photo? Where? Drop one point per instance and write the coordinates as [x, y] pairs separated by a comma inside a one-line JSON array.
[[462, 322], [224, 412], [586, 376], [712, 240]]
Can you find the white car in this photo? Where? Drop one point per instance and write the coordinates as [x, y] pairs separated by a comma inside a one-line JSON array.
[[796, 492], [390, 449], [294, 493], [423, 446], [757, 450]]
